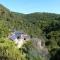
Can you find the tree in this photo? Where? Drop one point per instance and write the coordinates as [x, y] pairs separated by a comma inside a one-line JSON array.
[[55, 54], [8, 50]]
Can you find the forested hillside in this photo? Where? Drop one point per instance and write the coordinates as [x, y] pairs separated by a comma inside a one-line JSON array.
[[40, 25]]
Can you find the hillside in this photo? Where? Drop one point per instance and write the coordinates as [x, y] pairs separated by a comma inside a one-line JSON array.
[[40, 25]]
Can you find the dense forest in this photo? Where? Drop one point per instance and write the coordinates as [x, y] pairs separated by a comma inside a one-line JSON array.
[[41, 25]]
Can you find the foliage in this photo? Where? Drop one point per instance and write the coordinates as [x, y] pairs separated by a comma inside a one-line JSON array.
[[8, 51], [55, 54], [32, 52]]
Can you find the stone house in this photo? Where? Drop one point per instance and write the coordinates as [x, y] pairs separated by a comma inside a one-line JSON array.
[[19, 38]]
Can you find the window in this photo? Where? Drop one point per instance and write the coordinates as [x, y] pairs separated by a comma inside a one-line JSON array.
[[18, 37], [24, 38]]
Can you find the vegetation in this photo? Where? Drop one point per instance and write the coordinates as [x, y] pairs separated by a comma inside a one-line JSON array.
[[31, 52], [8, 51], [40, 25]]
